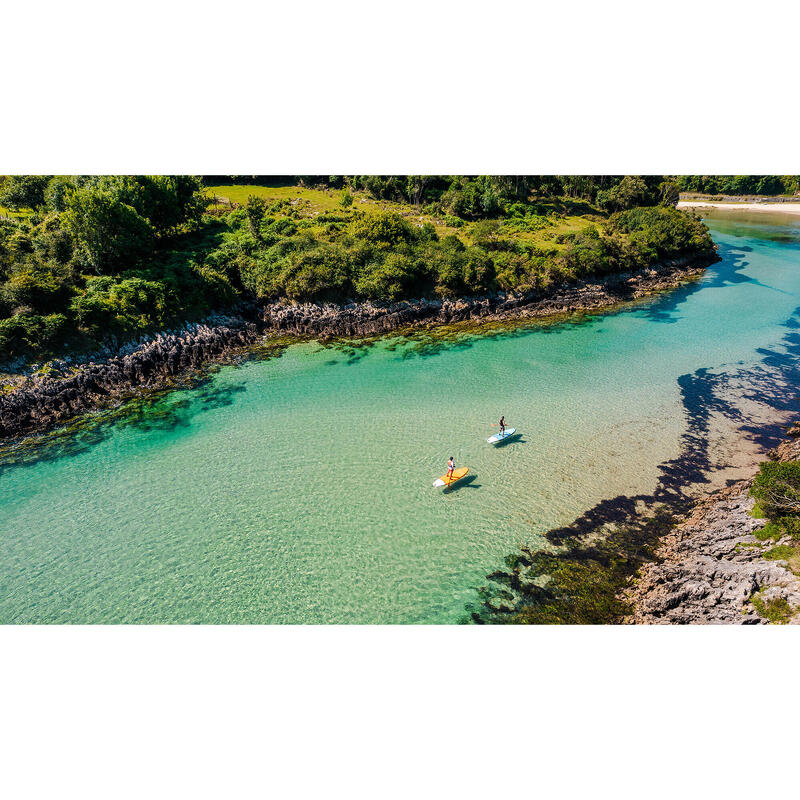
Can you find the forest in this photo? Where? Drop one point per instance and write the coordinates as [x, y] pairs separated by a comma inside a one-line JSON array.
[[740, 184]]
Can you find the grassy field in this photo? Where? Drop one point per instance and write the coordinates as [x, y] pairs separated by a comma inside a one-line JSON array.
[[317, 201]]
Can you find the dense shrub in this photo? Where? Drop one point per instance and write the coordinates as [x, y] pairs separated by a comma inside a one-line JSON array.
[[776, 487], [399, 275], [33, 334], [381, 229], [44, 288], [662, 232], [120, 305], [23, 191], [99, 257]]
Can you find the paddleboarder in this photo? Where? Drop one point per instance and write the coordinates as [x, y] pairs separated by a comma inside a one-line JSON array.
[[502, 426], [451, 465]]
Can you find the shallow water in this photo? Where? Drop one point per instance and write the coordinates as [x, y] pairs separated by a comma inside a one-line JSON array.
[[299, 489]]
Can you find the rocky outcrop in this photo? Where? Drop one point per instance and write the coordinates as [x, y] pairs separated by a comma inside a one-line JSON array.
[[67, 391], [710, 566], [41, 401]]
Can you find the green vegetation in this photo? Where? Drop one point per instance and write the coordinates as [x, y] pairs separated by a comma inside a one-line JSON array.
[[92, 260], [303, 252], [774, 609], [740, 184], [98, 257], [776, 488]]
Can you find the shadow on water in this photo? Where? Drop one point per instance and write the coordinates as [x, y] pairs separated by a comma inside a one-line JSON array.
[[727, 272], [515, 437], [467, 482], [166, 410], [577, 577]]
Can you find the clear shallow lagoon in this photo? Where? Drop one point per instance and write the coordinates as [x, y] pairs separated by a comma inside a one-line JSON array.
[[299, 489]]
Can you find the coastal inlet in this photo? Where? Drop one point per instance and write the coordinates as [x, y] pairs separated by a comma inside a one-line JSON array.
[[298, 489]]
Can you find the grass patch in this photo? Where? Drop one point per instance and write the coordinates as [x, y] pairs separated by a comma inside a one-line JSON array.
[[775, 609], [756, 512], [319, 201], [785, 552], [771, 531]]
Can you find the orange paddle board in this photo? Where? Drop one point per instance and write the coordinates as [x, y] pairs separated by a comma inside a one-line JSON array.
[[458, 474]]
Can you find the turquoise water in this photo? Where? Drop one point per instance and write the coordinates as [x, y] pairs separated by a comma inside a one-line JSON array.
[[299, 489]]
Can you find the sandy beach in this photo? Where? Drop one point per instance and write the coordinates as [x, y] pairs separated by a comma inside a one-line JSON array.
[[781, 208]]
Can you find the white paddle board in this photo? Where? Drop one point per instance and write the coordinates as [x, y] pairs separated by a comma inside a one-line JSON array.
[[498, 437]]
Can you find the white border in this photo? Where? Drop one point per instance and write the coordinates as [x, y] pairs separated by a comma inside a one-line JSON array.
[[693, 86], [360, 87]]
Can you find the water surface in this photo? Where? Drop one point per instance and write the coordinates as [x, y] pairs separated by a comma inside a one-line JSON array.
[[299, 489]]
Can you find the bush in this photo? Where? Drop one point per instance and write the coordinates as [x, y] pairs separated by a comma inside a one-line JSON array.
[[109, 234], [586, 253], [24, 191], [776, 487], [32, 334], [663, 232], [120, 305], [318, 273], [452, 222], [463, 271], [44, 288], [398, 276], [382, 229]]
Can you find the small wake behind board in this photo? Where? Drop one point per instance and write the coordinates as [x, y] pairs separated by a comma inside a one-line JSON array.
[[498, 437], [458, 474]]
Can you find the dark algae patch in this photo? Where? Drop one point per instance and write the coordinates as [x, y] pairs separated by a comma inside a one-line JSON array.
[[577, 583]]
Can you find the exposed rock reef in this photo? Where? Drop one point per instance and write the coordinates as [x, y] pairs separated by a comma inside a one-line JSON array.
[[42, 401], [711, 565]]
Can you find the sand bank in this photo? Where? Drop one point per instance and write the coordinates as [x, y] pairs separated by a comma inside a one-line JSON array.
[[782, 208]]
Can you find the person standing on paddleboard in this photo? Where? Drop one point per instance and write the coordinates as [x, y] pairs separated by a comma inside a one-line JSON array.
[[502, 426], [451, 465]]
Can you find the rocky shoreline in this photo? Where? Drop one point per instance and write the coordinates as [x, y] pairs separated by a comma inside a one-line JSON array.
[[711, 565], [42, 400]]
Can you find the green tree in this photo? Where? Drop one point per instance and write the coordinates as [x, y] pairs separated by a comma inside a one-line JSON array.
[[109, 234], [24, 191], [629, 192], [670, 193], [256, 209]]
